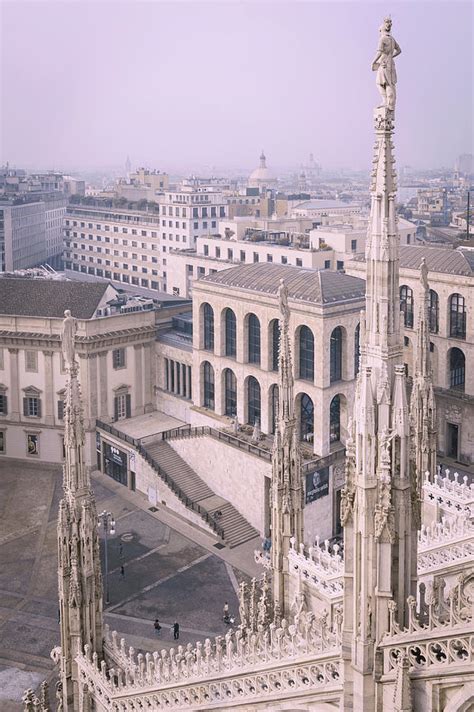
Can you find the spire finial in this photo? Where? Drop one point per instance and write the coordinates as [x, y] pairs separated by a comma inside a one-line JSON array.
[[68, 335]]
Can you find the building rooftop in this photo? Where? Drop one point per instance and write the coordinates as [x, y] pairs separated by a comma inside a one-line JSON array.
[[50, 298], [438, 259], [320, 204], [306, 285]]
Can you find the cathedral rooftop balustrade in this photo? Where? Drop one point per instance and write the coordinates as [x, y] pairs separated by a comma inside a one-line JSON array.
[[319, 566], [243, 665], [439, 631], [446, 544], [454, 495]]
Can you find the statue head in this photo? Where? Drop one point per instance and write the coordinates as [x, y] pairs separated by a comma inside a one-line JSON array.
[[67, 313], [386, 25]]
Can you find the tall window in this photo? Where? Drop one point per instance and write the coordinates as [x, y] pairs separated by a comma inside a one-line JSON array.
[[208, 374], [306, 343], [32, 403], [230, 392], [433, 312], [335, 420], [230, 333], [357, 350], [122, 405], [457, 316], [406, 305], [275, 333], [3, 402], [208, 314], [336, 355], [253, 401], [118, 358], [306, 418], [457, 369], [274, 395], [254, 339]]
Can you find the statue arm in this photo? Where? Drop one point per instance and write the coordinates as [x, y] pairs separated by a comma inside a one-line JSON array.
[[397, 49]]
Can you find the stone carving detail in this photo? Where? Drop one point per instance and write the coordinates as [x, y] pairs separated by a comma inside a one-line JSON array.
[[453, 414]]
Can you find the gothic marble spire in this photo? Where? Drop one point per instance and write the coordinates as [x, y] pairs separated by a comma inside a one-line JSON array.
[[286, 487], [422, 402], [380, 535], [79, 574]]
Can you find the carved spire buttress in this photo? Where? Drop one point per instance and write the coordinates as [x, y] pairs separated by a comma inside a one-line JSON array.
[[422, 402], [380, 530], [79, 574], [286, 488]]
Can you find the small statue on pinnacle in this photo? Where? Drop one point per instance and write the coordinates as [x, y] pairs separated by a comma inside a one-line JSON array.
[[384, 65], [68, 334]]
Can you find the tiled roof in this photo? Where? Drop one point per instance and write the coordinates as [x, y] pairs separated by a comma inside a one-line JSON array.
[[321, 204], [307, 285], [48, 298], [438, 259]]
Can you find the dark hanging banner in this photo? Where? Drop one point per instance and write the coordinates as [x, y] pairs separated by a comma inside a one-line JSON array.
[[317, 484]]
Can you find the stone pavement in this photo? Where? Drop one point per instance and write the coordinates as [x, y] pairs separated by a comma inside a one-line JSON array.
[[172, 571]]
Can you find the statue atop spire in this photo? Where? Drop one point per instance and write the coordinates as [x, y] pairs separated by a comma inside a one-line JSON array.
[[380, 517], [287, 489], [68, 334], [384, 65]]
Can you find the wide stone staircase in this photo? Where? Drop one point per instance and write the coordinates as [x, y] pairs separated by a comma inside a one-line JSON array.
[[236, 529]]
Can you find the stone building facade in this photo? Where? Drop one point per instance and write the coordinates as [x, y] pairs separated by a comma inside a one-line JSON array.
[[115, 356], [451, 283]]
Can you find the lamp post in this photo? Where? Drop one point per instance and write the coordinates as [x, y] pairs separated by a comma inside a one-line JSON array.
[[107, 521]]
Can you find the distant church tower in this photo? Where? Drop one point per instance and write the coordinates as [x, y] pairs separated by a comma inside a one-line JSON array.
[[286, 487], [377, 509], [79, 574]]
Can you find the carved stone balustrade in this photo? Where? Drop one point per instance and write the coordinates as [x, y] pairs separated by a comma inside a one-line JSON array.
[[319, 568], [453, 495]]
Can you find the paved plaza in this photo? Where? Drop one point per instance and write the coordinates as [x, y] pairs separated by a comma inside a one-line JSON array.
[[171, 571]]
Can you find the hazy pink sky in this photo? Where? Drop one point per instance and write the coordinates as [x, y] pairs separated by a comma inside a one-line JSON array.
[[179, 85]]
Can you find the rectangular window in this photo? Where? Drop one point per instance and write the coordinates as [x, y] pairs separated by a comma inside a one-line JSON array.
[[255, 257], [32, 444], [3, 404], [339, 265], [269, 258], [299, 262], [3, 446], [31, 361], [118, 358], [230, 254], [242, 255], [284, 260], [60, 409], [206, 249], [218, 252], [122, 406], [354, 245], [327, 264], [31, 407]]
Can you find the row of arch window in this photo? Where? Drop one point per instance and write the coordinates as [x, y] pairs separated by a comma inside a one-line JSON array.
[[305, 405], [305, 343], [457, 312]]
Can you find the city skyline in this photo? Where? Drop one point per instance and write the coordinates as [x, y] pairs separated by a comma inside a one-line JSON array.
[[90, 102]]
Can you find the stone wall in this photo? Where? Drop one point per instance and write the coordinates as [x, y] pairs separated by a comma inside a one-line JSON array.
[[233, 474]]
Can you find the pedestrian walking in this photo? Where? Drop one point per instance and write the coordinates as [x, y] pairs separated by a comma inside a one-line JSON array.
[[122, 571], [157, 625], [176, 630]]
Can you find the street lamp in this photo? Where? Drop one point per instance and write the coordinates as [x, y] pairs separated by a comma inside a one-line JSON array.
[[107, 521]]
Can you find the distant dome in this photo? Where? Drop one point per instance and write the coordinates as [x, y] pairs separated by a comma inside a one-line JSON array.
[[262, 176]]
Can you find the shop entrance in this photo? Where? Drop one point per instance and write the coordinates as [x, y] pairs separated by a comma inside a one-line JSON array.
[[115, 464]]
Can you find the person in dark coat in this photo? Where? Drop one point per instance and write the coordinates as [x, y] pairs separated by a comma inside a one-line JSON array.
[[157, 625], [176, 630]]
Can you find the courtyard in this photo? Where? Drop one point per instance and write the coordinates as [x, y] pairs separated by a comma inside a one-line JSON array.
[[171, 571]]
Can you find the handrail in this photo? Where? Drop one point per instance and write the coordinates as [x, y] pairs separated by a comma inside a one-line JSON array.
[[182, 496], [200, 430]]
